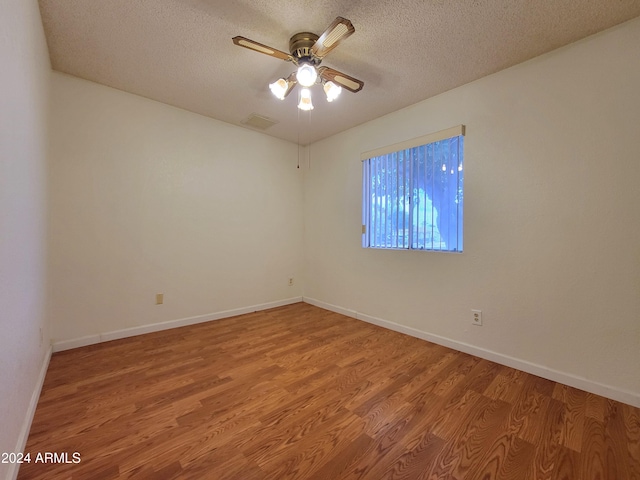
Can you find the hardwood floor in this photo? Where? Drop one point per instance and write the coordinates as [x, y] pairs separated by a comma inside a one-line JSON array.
[[303, 393]]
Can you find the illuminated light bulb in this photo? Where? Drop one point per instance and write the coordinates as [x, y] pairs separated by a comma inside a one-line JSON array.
[[306, 75], [444, 168], [332, 91], [305, 100], [460, 167], [279, 88]]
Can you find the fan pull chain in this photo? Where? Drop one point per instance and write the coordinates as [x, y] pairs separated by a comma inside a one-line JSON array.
[[309, 147], [298, 125]]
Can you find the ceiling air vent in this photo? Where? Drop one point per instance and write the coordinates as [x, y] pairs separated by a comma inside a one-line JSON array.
[[258, 121]]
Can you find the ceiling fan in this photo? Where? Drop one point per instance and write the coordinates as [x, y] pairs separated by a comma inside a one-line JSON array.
[[307, 50]]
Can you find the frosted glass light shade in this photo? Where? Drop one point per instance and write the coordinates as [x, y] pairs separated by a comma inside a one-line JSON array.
[[306, 75], [332, 91], [305, 100], [279, 88]]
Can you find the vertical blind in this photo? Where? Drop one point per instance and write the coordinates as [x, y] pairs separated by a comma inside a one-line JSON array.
[[413, 193]]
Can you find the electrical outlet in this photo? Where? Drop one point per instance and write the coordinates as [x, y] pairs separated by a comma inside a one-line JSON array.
[[291, 281], [476, 318], [159, 298]]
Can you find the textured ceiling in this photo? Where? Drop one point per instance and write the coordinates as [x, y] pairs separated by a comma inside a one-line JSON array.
[[179, 52]]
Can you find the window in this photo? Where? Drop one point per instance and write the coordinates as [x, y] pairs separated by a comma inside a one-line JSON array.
[[413, 193]]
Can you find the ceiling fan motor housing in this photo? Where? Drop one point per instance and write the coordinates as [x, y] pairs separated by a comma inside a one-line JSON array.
[[300, 47]]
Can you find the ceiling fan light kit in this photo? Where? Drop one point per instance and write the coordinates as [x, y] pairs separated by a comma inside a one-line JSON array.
[[307, 51]]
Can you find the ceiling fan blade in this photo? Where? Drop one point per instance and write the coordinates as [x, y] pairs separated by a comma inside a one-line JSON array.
[[260, 48], [339, 29], [346, 81]]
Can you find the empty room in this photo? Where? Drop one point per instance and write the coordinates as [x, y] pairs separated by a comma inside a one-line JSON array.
[[320, 240]]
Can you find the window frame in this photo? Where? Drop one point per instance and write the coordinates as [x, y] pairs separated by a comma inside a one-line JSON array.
[[399, 148]]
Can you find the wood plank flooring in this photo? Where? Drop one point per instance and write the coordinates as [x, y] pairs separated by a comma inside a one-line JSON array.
[[298, 392]]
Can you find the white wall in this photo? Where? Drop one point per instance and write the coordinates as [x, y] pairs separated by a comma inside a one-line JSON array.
[[552, 218], [24, 81], [147, 198]]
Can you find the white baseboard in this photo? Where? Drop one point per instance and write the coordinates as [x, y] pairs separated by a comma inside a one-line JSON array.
[[31, 410], [156, 327], [614, 393]]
